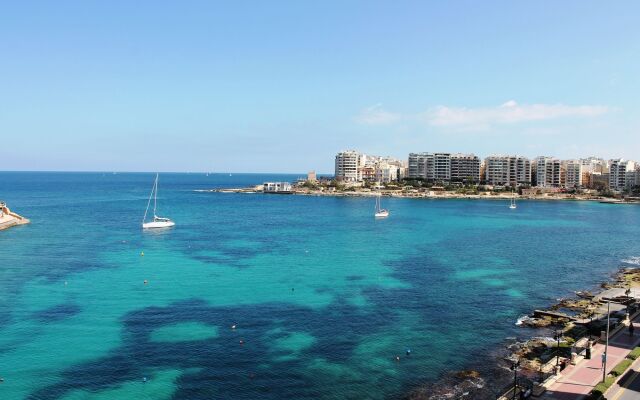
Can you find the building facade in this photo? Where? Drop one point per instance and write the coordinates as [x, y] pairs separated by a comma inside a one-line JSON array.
[[618, 170], [444, 167], [507, 170], [416, 165], [348, 166], [575, 174], [550, 172], [465, 168]]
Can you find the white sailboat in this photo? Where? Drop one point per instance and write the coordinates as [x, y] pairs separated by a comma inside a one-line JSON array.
[[380, 212], [513, 201], [157, 222]]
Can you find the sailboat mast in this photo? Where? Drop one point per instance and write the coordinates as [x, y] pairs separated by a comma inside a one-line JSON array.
[[155, 196], [146, 211]]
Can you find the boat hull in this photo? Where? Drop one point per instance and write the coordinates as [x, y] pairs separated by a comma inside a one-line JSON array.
[[158, 224], [382, 214]]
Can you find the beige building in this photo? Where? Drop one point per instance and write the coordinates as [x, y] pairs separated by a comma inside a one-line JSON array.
[[507, 170]]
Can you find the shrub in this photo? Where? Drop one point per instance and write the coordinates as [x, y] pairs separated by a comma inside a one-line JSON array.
[[635, 353], [600, 388], [621, 367]]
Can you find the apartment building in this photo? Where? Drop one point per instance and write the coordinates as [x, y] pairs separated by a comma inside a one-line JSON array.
[[574, 174], [507, 170], [416, 165], [550, 172], [618, 170], [348, 166], [438, 167], [465, 168], [595, 165], [444, 167], [632, 178]]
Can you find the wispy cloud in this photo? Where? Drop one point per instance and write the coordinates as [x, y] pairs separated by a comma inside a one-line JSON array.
[[481, 118], [507, 113], [376, 115]]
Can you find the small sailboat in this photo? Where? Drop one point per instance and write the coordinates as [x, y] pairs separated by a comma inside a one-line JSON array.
[[513, 201], [157, 222], [380, 212]]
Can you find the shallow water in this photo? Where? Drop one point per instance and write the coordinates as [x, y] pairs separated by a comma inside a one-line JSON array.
[[323, 296]]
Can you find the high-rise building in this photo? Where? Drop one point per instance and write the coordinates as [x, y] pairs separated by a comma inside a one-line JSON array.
[[618, 173], [348, 166], [575, 174], [465, 168], [417, 163], [549, 172], [439, 167], [507, 170], [436, 167], [632, 178]]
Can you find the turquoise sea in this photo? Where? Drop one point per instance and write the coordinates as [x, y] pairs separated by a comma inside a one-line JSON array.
[[323, 297]]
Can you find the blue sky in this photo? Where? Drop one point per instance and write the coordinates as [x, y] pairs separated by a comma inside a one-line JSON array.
[[281, 86]]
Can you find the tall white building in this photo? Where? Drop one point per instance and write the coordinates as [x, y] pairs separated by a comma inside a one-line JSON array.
[[438, 167], [444, 167], [574, 177], [507, 170], [549, 172], [618, 170], [348, 166]]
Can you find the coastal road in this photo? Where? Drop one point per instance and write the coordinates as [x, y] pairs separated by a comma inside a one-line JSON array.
[[630, 387]]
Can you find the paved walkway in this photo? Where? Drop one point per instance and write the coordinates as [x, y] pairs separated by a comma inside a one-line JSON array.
[[576, 381]]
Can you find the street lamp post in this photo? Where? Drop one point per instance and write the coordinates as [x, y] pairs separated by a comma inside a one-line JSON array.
[[606, 346], [591, 325], [558, 336], [516, 364]]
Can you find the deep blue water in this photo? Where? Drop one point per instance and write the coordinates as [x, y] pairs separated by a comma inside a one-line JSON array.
[[323, 296]]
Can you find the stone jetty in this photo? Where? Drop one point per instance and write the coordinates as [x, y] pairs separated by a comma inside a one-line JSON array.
[[8, 218]]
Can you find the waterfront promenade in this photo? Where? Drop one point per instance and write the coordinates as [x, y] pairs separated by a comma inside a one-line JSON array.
[[576, 381]]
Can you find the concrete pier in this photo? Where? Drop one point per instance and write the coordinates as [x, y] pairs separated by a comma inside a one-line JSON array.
[[9, 218]]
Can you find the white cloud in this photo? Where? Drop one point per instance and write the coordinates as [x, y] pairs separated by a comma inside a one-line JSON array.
[[480, 118], [376, 115], [507, 113]]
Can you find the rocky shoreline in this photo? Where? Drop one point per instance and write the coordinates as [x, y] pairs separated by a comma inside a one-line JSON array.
[[435, 195], [576, 317]]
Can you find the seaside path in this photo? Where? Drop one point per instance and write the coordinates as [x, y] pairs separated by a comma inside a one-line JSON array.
[[576, 381]]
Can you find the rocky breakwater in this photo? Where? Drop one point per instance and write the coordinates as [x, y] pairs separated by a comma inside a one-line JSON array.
[[8, 218]]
